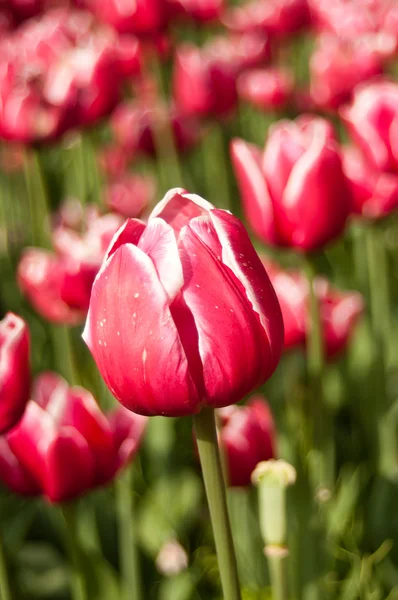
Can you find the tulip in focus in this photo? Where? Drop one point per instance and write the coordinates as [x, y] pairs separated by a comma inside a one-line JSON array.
[[340, 311], [372, 120], [65, 445], [374, 193], [267, 89], [294, 193], [59, 284], [14, 370], [163, 290], [247, 436]]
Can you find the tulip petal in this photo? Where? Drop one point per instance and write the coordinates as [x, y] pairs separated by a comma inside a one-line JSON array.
[[128, 429], [232, 342], [134, 340], [177, 208], [46, 385], [69, 466], [129, 233], [13, 475], [257, 204], [159, 242]]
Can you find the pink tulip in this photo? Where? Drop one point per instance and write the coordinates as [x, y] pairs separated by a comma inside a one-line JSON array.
[[203, 11], [372, 119], [65, 445], [294, 193], [141, 17], [130, 195], [14, 370], [374, 193], [268, 89], [340, 311], [162, 291], [59, 285], [247, 436]]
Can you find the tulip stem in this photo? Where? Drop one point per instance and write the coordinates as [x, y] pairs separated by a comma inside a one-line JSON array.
[[323, 454], [5, 590], [37, 196], [79, 585], [128, 552], [380, 321], [205, 428], [277, 557]]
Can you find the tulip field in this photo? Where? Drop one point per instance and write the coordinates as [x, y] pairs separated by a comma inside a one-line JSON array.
[[198, 300]]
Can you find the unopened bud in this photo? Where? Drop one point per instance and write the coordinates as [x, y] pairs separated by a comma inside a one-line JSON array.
[[172, 558]]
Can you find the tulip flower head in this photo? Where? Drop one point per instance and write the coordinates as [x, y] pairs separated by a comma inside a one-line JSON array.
[[294, 193], [64, 445], [130, 195], [14, 370], [268, 89], [247, 437], [182, 313], [340, 311]]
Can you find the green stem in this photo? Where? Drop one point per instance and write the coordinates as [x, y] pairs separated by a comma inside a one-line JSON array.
[[322, 464], [215, 171], [63, 352], [128, 552], [37, 196], [380, 320], [277, 563], [79, 584], [5, 590], [209, 454]]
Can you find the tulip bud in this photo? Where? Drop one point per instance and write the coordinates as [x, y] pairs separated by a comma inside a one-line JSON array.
[[172, 558], [14, 370], [247, 436], [162, 290], [294, 194]]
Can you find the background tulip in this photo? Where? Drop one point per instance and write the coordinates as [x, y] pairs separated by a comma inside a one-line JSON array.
[[14, 370], [247, 436], [161, 290], [64, 445], [295, 193]]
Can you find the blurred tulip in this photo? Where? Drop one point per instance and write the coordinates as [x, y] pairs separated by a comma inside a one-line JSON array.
[[294, 194], [372, 119], [57, 72], [340, 311], [247, 436], [113, 161], [203, 11], [59, 285], [141, 17], [160, 293], [64, 445], [172, 558], [336, 67], [268, 89], [374, 194], [275, 17], [133, 126], [130, 195], [14, 370]]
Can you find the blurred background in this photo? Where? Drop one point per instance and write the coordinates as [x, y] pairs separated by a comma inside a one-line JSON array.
[[104, 106]]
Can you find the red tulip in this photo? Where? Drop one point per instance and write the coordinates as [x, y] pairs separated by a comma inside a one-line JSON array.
[[203, 11], [64, 445], [57, 72], [374, 193], [133, 126], [275, 17], [163, 290], [337, 66], [247, 436], [340, 311], [130, 195], [372, 119], [59, 285], [295, 193], [14, 370], [141, 17], [268, 89]]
